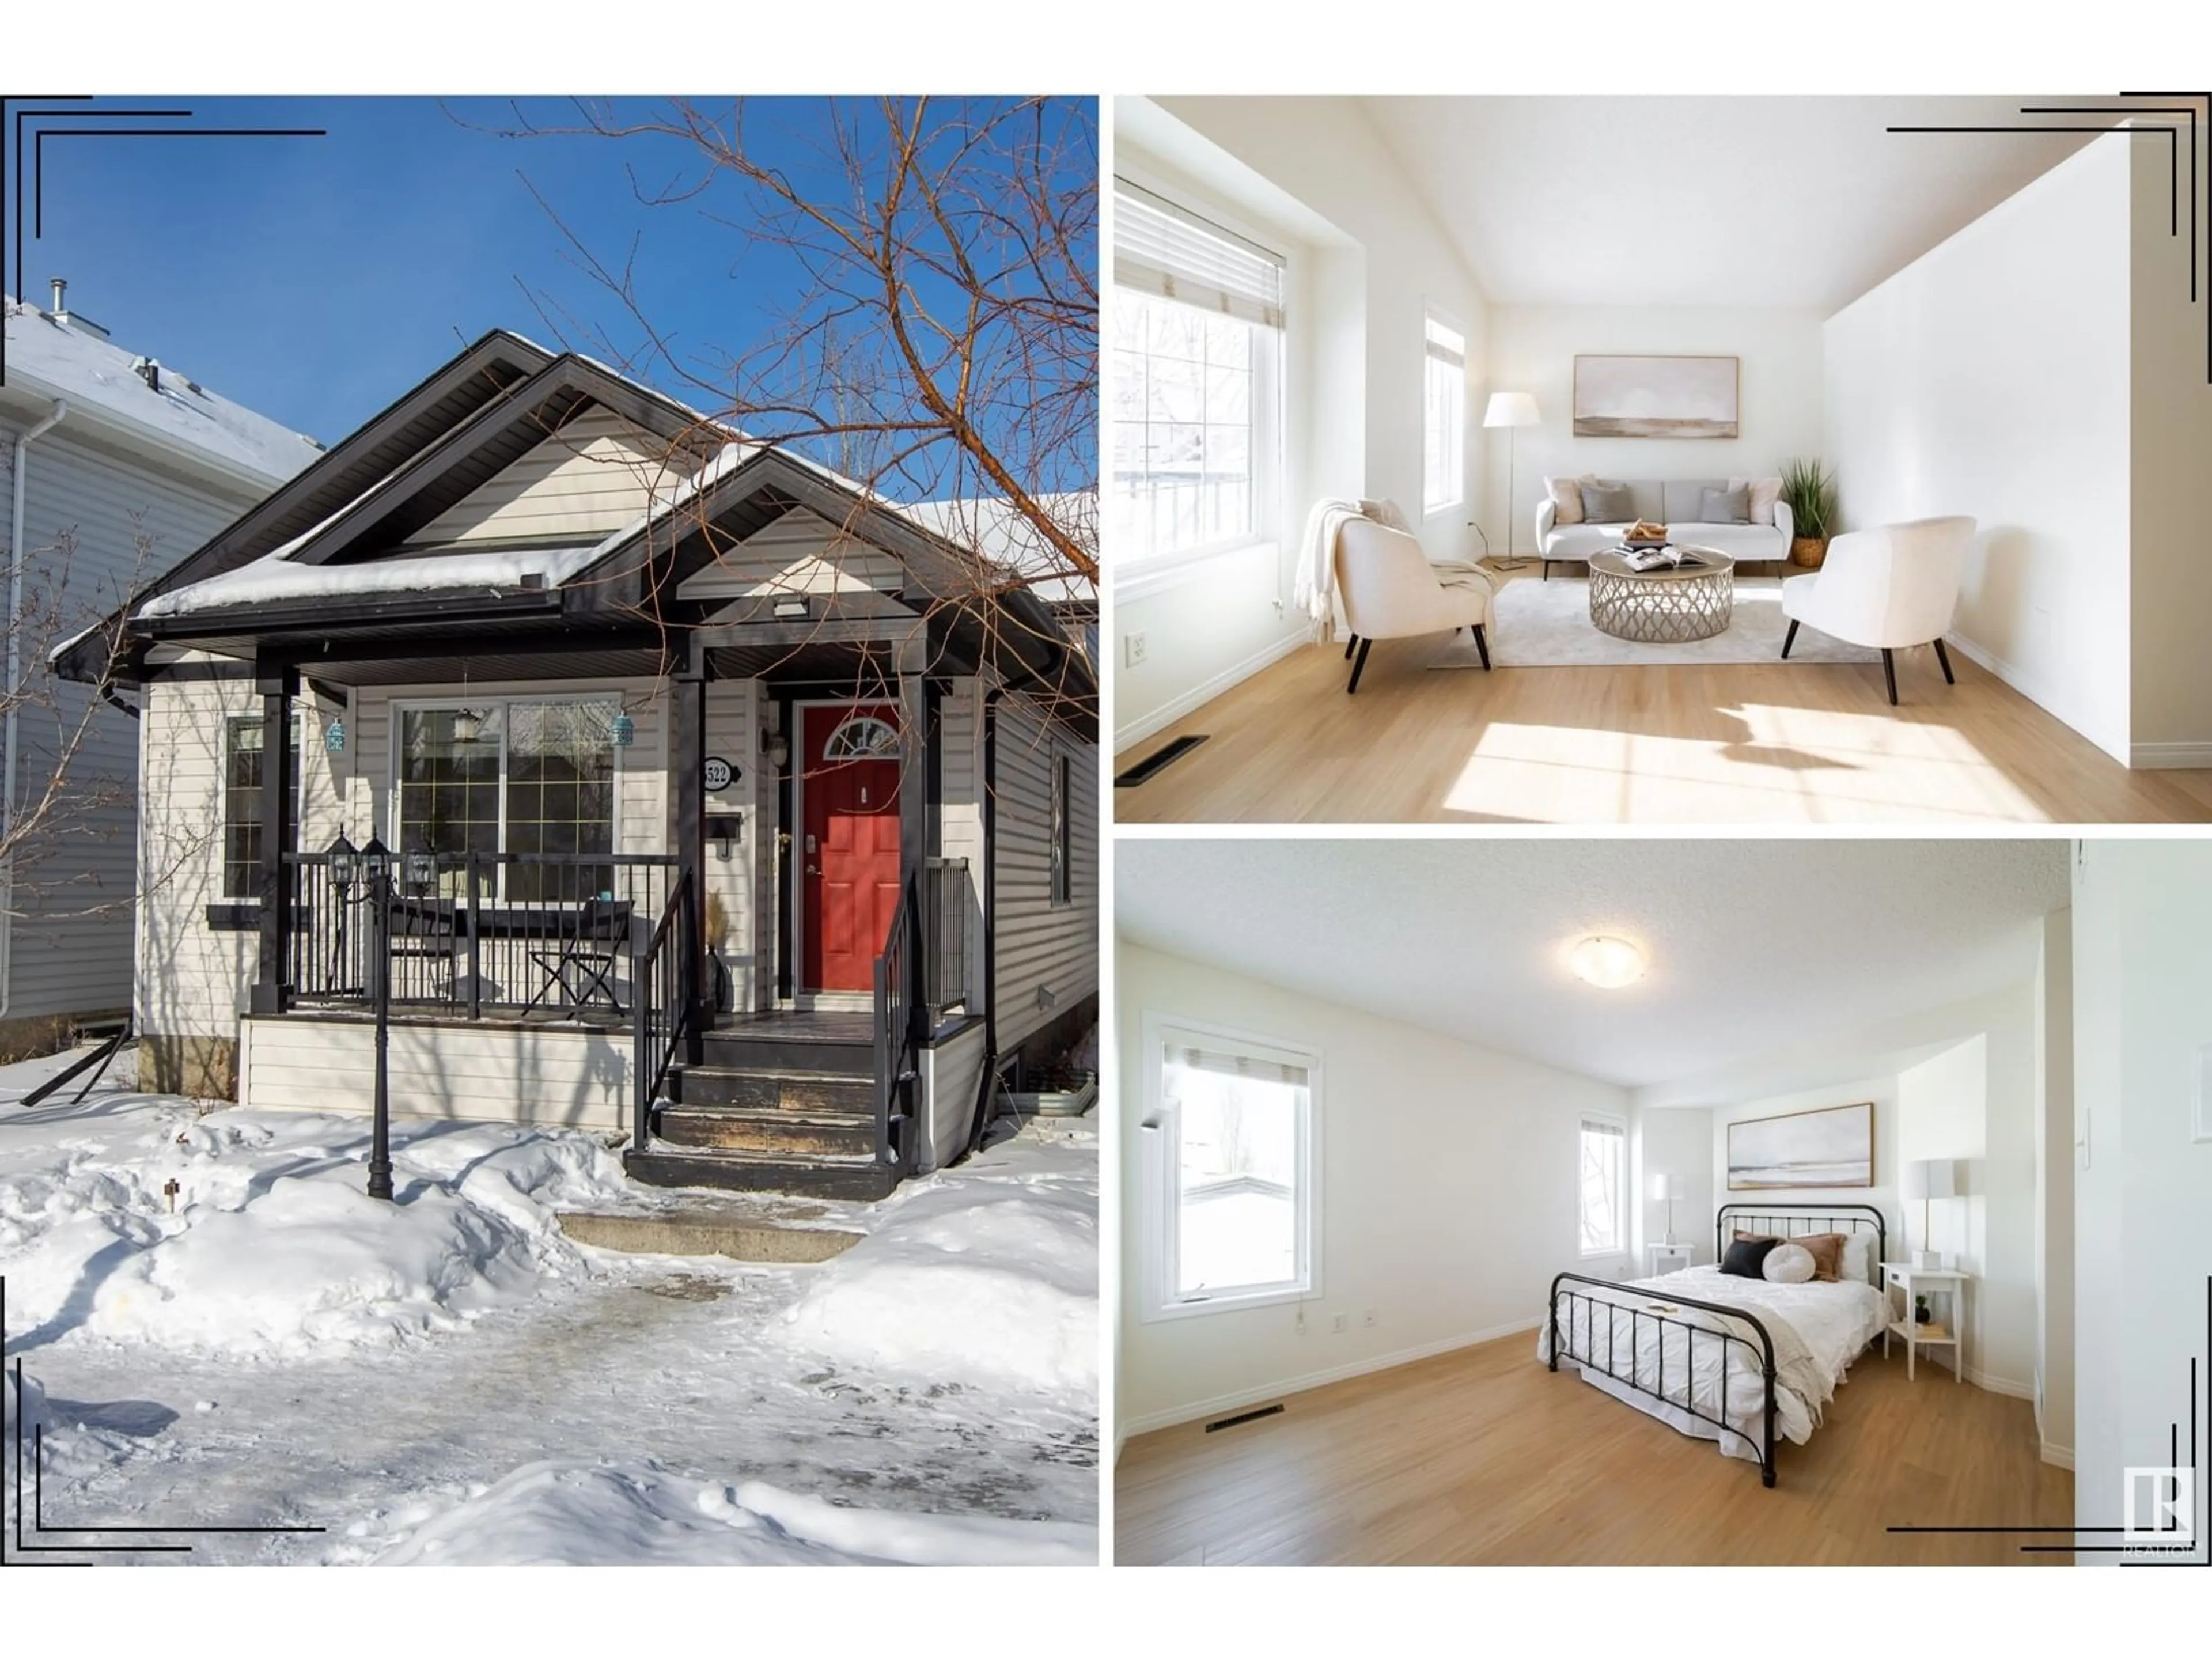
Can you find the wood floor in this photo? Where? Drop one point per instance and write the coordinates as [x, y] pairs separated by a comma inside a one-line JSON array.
[[1484, 1456], [1709, 744]]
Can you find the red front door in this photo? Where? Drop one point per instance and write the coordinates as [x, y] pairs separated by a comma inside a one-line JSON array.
[[849, 791]]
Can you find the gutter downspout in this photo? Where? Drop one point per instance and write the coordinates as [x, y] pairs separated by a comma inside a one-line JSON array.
[[54, 418], [989, 1092]]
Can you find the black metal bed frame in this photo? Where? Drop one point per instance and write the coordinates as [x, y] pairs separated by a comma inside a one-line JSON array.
[[1795, 1220]]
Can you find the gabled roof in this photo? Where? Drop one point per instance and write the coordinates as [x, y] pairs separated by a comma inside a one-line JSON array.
[[161, 408]]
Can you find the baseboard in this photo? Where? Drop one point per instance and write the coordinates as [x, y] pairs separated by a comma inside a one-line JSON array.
[[2059, 1457], [1198, 695], [1242, 1397], [2003, 1385], [2029, 687], [2170, 756]]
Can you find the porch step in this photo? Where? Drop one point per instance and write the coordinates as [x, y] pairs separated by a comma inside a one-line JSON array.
[[861, 1179], [774, 1130], [774, 1088], [778, 1047]]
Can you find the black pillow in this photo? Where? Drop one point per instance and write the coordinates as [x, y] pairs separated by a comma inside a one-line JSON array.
[[1747, 1257]]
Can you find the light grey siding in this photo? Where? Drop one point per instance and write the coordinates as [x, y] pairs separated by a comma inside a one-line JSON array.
[[96, 521], [952, 1077], [1048, 953], [594, 476]]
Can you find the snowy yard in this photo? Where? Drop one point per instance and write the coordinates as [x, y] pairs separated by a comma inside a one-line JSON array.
[[451, 1379]]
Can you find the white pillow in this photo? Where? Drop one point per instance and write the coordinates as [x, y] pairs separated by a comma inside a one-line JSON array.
[[1790, 1264], [1858, 1258]]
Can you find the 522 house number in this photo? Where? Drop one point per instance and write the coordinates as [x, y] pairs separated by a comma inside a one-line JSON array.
[[718, 775]]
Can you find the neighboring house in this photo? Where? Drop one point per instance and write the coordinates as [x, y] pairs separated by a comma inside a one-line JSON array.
[[112, 466], [736, 807]]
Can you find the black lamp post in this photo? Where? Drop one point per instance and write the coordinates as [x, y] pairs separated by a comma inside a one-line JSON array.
[[371, 868]]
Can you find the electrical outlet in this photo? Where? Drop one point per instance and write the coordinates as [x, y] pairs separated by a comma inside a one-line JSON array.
[[1336, 1324], [1367, 1319], [1132, 649]]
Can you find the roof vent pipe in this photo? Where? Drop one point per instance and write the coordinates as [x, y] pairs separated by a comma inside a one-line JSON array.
[[148, 371], [61, 288]]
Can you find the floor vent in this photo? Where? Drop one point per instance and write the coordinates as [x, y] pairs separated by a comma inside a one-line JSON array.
[[1143, 770], [1274, 1410]]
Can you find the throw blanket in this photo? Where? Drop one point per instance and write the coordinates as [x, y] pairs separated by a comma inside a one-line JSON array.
[[1315, 592]]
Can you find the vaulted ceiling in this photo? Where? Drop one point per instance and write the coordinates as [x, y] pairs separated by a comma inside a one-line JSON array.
[[1750, 944], [1791, 202]]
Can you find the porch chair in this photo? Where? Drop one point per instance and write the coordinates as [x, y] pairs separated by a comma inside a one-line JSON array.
[[1390, 591], [1885, 589]]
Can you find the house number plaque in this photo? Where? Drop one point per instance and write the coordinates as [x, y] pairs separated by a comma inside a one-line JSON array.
[[718, 775]]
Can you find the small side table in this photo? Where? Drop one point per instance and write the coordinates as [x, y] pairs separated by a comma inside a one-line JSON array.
[[1665, 1259], [1949, 1313]]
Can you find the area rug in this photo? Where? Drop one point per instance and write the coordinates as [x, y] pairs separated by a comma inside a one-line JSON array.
[[1546, 624]]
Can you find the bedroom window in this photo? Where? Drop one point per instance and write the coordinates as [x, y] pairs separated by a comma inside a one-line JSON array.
[[1444, 422], [532, 776], [1230, 1163], [1197, 345], [1604, 1167], [241, 804]]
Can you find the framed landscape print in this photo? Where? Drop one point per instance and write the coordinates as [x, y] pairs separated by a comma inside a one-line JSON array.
[[1656, 396], [1831, 1147]]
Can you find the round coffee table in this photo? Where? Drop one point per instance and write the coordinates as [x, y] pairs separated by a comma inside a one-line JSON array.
[[1663, 606]]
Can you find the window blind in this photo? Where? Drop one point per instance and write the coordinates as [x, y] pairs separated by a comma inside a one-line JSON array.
[[1598, 1126], [1226, 1064], [1162, 250], [1447, 344]]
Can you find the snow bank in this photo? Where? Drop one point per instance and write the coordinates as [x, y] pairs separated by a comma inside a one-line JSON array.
[[273, 1247], [993, 1282], [573, 1514], [32, 1409]]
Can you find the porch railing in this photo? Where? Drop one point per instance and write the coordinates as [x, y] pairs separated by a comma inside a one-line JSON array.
[[665, 973], [477, 934], [901, 1023]]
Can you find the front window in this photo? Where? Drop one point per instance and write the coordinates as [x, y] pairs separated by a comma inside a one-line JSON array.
[[1604, 1160], [242, 751], [532, 777], [1063, 840], [1443, 426], [1197, 350], [1231, 1170]]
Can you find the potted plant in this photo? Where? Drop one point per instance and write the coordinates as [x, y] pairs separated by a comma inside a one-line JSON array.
[[1809, 490], [724, 992]]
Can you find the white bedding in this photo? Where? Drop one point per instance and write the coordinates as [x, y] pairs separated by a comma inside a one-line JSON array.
[[1817, 1328]]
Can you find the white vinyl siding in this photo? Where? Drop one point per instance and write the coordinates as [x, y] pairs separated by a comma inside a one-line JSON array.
[[801, 553], [593, 475], [107, 502], [952, 1077], [732, 724]]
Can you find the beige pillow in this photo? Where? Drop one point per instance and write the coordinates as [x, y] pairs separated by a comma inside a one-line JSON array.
[[1566, 496], [1827, 1250], [1764, 492]]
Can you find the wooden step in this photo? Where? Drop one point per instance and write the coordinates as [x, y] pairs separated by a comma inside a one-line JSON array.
[[785, 1090], [771, 1047], [860, 1179], [770, 1129]]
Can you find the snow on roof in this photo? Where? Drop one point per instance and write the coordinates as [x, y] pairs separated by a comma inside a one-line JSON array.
[[992, 527], [276, 575], [101, 379]]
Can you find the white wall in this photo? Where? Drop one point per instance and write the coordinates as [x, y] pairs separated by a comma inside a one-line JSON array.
[[1676, 1141], [2054, 1190], [1880, 1088], [2171, 690], [1533, 349], [1365, 260], [2143, 1016], [1448, 1198], [1991, 377]]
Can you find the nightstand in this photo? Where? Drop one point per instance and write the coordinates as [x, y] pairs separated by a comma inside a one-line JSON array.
[[1946, 1290], [1666, 1258]]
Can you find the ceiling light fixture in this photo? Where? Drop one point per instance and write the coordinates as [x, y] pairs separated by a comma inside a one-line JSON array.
[[1607, 962]]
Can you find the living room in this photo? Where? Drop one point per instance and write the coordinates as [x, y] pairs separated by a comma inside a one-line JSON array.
[[1944, 383]]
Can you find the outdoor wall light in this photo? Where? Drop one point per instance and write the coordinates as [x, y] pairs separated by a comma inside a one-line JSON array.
[[334, 738], [792, 609], [624, 731], [775, 749], [1607, 962]]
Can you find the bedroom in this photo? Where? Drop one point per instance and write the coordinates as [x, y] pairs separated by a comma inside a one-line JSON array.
[[1398, 1118]]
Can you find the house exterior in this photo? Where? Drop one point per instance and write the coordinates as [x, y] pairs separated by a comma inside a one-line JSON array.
[[111, 466], [730, 806]]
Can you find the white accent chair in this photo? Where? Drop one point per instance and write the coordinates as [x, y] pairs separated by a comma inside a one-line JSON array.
[[1390, 591], [1885, 589]]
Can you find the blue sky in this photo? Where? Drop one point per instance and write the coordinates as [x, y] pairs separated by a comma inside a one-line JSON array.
[[315, 279]]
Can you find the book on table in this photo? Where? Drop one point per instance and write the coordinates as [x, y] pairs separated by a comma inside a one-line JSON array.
[[1642, 559]]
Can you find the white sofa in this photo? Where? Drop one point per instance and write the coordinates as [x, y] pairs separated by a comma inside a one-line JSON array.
[[1674, 503]]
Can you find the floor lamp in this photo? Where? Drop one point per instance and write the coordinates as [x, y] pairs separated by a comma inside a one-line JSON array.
[[1511, 410]]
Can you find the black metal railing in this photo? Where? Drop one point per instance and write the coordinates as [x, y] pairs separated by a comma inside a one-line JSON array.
[[664, 975], [473, 933], [901, 1020], [1579, 1343], [945, 900]]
